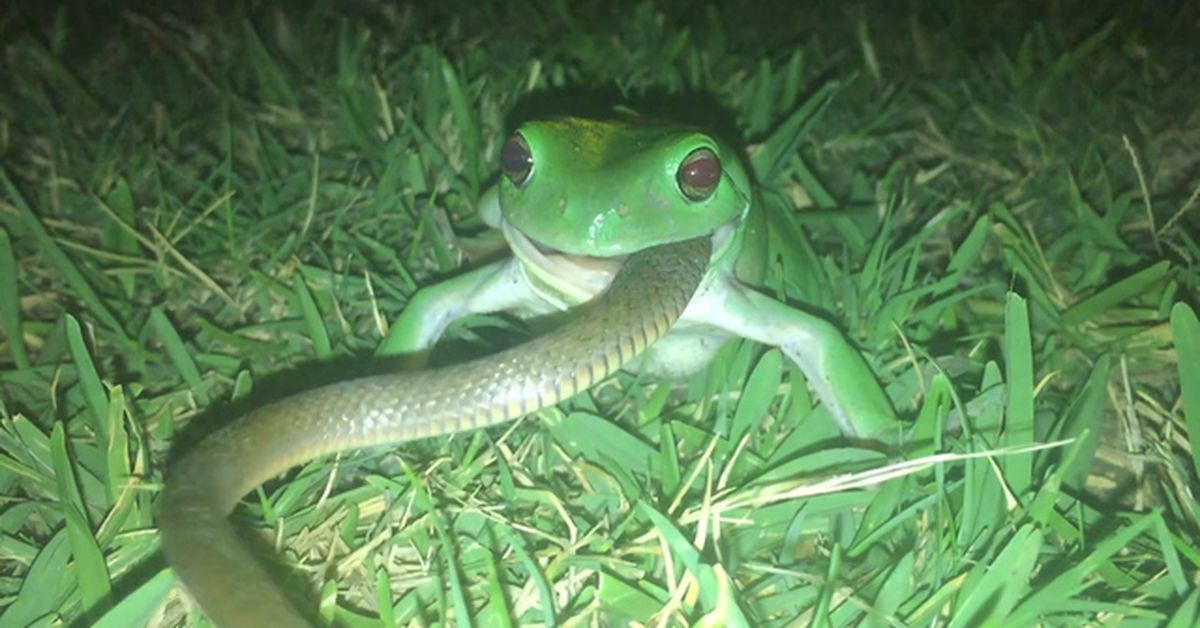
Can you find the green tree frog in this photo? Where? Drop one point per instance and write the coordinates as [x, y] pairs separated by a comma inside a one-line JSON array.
[[578, 195]]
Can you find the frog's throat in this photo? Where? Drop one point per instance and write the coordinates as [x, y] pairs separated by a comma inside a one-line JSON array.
[[566, 279]]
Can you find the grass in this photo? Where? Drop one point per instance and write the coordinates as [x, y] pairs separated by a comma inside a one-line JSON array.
[[207, 208]]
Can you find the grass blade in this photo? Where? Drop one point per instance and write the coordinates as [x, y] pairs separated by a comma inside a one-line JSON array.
[[1185, 330], [89, 379], [1119, 292], [1018, 353], [10, 303], [95, 586]]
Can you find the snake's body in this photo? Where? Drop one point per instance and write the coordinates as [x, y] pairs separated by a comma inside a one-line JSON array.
[[646, 297]]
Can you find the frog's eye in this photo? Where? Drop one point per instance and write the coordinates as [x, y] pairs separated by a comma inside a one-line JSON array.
[[516, 160], [699, 174]]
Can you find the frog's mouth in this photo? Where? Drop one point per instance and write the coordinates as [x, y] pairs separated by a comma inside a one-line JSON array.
[[560, 277], [568, 279]]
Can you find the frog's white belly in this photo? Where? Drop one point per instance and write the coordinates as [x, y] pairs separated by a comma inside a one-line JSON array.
[[693, 341], [683, 351]]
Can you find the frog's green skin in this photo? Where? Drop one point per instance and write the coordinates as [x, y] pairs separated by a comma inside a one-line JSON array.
[[599, 190]]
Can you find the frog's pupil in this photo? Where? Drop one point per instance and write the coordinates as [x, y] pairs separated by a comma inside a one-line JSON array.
[[516, 159]]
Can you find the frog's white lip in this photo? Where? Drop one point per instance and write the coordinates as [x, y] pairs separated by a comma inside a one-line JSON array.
[[719, 237], [576, 278], [546, 249], [529, 244]]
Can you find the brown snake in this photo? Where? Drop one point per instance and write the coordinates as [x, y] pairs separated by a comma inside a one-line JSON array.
[[648, 294]]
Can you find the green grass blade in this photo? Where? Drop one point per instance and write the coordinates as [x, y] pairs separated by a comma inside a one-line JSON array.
[[1185, 330], [179, 354], [44, 588], [716, 593], [620, 599], [1118, 292], [757, 395], [1019, 372], [466, 122], [893, 591], [116, 236], [383, 591], [118, 471], [1085, 418], [10, 303], [1187, 614], [599, 440], [499, 610], [138, 607], [777, 150], [1005, 580], [533, 571], [1049, 596], [1175, 571], [89, 379], [95, 586], [313, 321]]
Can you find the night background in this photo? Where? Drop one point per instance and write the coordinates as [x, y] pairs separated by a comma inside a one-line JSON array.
[[206, 206]]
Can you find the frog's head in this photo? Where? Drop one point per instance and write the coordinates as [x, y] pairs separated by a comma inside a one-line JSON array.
[[607, 188]]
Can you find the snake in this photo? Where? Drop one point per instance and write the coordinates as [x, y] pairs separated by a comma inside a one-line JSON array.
[[202, 488]]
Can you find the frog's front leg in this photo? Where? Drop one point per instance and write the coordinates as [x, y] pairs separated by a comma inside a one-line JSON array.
[[492, 288], [835, 370]]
